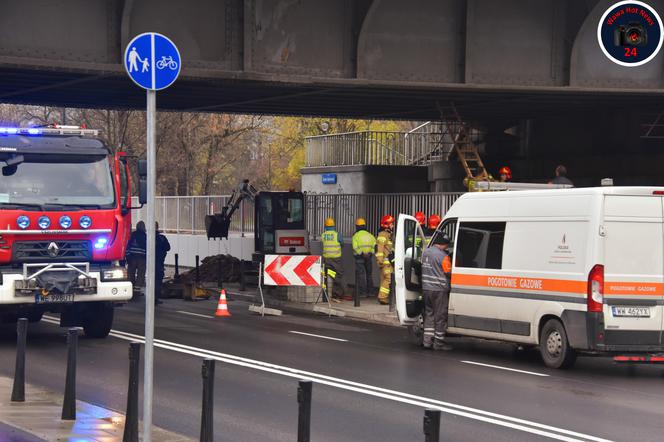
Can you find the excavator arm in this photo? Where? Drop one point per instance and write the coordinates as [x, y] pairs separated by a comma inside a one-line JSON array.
[[217, 225]]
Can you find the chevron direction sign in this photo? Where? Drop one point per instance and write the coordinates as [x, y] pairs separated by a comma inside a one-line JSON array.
[[292, 270]]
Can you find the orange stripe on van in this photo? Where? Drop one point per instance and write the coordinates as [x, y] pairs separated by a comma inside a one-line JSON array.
[[518, 283], [633, 288]]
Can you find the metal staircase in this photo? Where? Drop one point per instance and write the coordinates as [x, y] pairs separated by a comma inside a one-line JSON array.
[[447, 137]]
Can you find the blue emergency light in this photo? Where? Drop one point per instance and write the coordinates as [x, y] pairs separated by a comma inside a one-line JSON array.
[[101, 242], [50, 130]]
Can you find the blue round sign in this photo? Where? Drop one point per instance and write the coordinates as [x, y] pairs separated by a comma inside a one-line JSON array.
[[630, 33], [152, 61]]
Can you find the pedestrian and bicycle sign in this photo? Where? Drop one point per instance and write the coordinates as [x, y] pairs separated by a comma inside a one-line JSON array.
[[292, 270], [152, 61]]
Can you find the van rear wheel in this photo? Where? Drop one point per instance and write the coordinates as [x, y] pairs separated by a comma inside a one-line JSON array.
[[554, 346]]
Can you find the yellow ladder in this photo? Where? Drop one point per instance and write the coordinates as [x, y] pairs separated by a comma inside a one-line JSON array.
[[471, 161], [467, 152]]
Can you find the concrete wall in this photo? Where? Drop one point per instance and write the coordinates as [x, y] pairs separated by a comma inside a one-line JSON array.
[[366, 179]]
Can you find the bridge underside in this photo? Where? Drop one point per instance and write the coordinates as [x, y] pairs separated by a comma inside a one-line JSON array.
[[511, 59], [340, 98]]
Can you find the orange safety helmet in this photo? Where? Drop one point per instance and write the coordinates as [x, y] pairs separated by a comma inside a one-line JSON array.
[[434, 220], [421, 218], [387, 221], [506, 171]]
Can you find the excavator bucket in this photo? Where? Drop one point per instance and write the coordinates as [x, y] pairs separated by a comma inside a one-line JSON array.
[[216, 226]]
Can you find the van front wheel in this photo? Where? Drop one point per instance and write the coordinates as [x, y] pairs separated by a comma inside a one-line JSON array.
[[554, 346]]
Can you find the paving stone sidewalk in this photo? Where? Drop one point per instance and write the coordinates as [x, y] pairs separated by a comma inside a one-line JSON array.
[[39, 416]]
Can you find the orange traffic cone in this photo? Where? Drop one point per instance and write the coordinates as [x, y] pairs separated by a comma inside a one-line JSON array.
[[222, 306]]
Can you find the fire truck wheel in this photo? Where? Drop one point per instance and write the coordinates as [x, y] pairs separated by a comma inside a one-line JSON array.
[[99, 320], [35, 316]]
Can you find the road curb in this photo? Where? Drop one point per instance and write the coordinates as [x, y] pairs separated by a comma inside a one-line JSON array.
[[374, 318]]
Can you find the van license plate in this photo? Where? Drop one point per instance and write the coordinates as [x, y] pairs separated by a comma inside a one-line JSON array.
[[631, 312], [54, 298]]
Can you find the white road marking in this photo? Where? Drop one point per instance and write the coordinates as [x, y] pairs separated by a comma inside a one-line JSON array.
[[318, 336], [195, 314], [370, 390], [506, 368]]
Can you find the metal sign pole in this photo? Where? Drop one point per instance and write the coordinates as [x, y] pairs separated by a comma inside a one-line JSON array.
[[150, 268], [153, 62]]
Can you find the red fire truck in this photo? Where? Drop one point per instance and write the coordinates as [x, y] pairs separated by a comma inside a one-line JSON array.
[[65, 219]]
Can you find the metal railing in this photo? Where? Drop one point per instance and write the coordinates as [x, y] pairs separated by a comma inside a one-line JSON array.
[[431, 141], [186, 214], [381, 148]]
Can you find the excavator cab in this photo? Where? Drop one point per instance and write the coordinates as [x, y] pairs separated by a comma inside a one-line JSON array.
[[279, 224]]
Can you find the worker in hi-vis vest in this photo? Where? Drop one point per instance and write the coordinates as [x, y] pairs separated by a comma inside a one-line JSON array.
[[364, 244], [384, 257], [332, 243]]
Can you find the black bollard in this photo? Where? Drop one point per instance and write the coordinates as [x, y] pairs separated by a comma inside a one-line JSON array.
[[207, 425], [243, 282], [177, 267], [392, 291], [304, 411], [198, 271], [431, 425], [18, 389], [220, 277], [356, 297], [131, 418], [69, 403]]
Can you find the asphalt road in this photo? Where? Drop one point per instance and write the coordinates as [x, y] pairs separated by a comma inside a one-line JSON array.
[[370, 382]]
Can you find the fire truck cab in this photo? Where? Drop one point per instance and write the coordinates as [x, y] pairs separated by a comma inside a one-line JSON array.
[[65, 221]]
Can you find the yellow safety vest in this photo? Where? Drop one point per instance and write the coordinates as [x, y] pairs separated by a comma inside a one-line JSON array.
[[331, 244], [363, 242]]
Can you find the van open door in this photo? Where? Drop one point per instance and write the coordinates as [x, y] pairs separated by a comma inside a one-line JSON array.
[[408, 246]]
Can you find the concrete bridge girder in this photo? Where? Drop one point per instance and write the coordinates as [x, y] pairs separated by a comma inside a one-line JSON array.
[[442, 49]]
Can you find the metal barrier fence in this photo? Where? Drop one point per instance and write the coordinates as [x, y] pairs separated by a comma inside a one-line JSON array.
[[186, 214], [346, 208]]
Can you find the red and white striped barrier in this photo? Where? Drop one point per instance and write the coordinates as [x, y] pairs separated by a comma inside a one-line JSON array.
[[292, 270]]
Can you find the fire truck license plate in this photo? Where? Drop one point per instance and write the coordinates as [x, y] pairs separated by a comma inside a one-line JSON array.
[[54, 298], [631, 312]]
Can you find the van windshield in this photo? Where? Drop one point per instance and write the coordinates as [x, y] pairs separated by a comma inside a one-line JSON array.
[[38, 181]]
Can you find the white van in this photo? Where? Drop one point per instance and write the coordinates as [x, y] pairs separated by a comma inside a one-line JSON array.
[[570, 270]]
